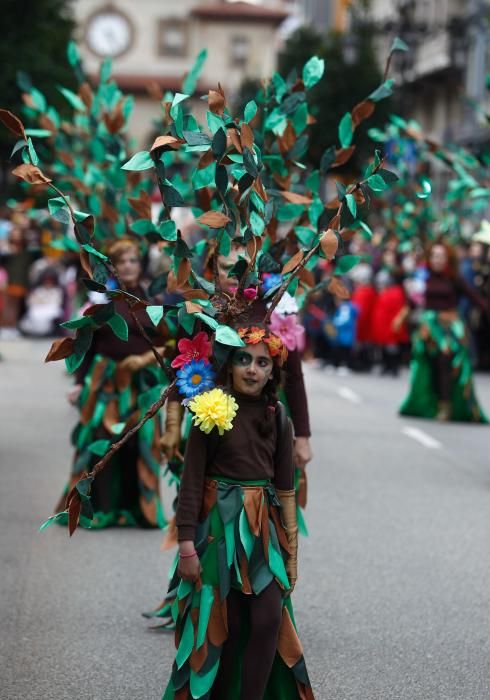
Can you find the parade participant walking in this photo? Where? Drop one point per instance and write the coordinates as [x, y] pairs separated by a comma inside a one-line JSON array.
[[116, 380], [441, 373], [237, 532]]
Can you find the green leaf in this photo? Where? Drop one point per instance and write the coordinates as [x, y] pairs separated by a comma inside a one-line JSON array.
[[313, 71], [202, 682], [119, 326], [171, 195], [399, 45], [211, 322], [56, 203], [117, 428], [105, 70], [205, 605], [72, 54], [250, 110], [186, 643], [257, 224], [99, 447], [204, 177], [39, 133], [32, 152], [345, 130], [214, 122], [190, 81], [228, 336], [168, 230], [73, 99], [366, 228], [197, 138], [142, 226], [305, 235], [38, 99], [346, 263], [376, 183], [93, 251], [426, 189], [155, 313], [384, 90], [140, 161], [352, 204], [289, 211]]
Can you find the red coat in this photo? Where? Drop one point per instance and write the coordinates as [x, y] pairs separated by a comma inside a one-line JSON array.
[[364, 297], [388, 305]]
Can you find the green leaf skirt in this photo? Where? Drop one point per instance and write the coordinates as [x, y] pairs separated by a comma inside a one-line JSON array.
[[113, 399], [441, 334], [242, 545]]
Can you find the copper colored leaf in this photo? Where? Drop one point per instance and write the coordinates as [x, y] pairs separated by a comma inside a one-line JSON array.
[[338, 288], [296, 198], [307, 277], [329, 244], [247, 136], [13, 123], [362, 111], [29, 173], [183, 272], [142, 205], [86, 95], [206, 159], [171, 282], [165, 142], [115, 121], [74, 512], [342, 156], [84, 261], [61, 348], [235, 139], [347, 234], [194, 294], [67, 159], [293, 262], [217, 101], [334, 222], [253, 247], [213, 219], [192, 308]]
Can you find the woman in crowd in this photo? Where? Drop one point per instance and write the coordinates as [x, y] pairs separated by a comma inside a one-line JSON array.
[[115, 382], [237, 532], [441, 373]]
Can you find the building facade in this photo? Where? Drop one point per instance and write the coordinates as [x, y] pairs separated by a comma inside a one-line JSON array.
[[155, 42]]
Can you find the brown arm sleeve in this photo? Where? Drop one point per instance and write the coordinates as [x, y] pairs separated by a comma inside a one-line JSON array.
[[477, 299], [284, 468], [296, 394], [192, 484]]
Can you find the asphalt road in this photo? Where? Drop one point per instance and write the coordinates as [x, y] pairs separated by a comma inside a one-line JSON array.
[[393, 601]]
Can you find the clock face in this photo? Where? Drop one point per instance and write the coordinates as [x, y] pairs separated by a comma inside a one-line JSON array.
[[109, 33]]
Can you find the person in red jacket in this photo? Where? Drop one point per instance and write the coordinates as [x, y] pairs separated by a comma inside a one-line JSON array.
[[364, 298], [389, 321]]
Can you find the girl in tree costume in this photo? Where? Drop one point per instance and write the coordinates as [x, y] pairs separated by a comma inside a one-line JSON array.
[[237, 532], [117, 380], [441, 373]]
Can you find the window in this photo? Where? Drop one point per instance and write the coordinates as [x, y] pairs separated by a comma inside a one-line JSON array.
[[239, 50], [172, 39]]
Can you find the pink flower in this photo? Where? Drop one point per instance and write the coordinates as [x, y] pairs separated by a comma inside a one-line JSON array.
[[250, 293], [288, 330], [197, 348]]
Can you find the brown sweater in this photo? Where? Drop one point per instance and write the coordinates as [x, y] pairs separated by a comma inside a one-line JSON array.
[[443, 293], [241, 453]]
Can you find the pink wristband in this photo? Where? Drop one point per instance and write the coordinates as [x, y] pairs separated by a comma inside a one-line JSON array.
[[187, 556]]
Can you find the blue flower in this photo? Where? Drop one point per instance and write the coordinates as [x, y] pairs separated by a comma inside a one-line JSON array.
[[194, 377], [270, 281]]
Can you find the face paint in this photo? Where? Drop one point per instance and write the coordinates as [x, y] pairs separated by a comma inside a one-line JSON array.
[[251, 369]]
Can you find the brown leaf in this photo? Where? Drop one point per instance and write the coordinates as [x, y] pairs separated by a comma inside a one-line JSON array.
[[66, 158], [192, 308], [194, 294], [164, 143], [288, 138], [334, 222], [114, 121], [86, 95], [338, 288], [171, 282], [206, 159], [253, 247], [293, 262], [47, 123], [88, 224], [311, 120], [214, 219], [29, 173], [333, 203], [154, 90], [283, 182], [329, 244], [13, 123], [235, 139], [61, 348], [306, 277], [217, 101], [84, 261], [247, 137], [362, 111], [142, 205], [183, 272], [259, 188], [347, 234], [296, 198], [74, 512], [342, 155]]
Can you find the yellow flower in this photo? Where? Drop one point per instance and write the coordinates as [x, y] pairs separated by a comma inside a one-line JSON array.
[[212, 409]]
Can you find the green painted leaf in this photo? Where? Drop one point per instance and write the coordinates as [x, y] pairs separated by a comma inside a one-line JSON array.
[[352, 204], [186, 643], [257, 224], [250, 110], [54, 519], [313, 71], [399, 45], [39, 133], [246, 536], [205, 605], [214, 122], [201, 683], [190, 81], [105, 70], [289, 211], [376, 183], [38, 99], [211, 322], [56, 203], [204, 177], [346, 263], [74, 323], [345, 130], [384, 90], [426, 189], [142, 226], [73, 99], [168, 230], [117, 428], [119, 326], [155, 313], [72, 54], [93, 251], [228, 336], [32, 152], [99, 447], [140, 161], [276, 564]]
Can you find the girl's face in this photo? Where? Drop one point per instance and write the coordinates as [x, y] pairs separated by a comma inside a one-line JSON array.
[[128, 268], [251, 369], [438, 258]]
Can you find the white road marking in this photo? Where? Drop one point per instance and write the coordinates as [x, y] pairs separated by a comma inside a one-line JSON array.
[[420, 436], [349, 394]]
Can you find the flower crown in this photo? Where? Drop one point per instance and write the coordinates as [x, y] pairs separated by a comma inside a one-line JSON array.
[[251, 335]]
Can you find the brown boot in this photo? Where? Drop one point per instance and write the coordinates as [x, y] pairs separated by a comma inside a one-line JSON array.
[[444, 411]]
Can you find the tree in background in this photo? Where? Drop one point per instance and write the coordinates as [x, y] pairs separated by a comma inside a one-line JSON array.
[[34, 42]]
